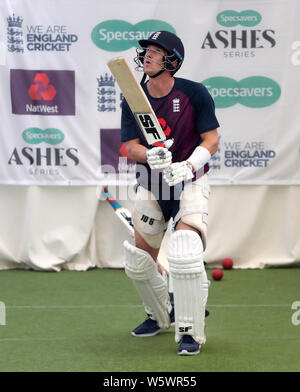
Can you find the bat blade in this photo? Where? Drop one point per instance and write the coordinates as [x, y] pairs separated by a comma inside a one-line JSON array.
[[125, 217], [137, 100], [122, 213]]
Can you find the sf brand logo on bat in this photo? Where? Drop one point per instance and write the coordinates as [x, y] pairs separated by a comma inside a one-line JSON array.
[[148, 124]]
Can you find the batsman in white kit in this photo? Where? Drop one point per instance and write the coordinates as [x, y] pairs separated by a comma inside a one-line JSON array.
[[171, 184]]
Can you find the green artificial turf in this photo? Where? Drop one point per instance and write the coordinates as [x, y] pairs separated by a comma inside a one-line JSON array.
[[81, 321]]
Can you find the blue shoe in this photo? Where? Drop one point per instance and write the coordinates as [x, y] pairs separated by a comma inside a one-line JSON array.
[[188, 346], [150, 327]]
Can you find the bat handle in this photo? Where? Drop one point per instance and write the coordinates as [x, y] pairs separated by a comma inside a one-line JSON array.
[[168, 143]]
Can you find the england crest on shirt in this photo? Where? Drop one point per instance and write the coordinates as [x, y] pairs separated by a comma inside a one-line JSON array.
[[176, 105]]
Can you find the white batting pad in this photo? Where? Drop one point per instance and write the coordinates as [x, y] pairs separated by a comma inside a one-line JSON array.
[[149, 283], [190, 284]]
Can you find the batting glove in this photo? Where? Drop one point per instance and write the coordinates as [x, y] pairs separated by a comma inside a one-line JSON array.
[[178, 172], [158, 158]]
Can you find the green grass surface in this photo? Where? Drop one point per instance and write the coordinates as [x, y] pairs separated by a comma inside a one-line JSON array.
[[81, 321]]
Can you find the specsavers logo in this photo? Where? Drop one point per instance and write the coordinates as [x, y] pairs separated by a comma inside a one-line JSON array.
[[232, 18], [118, 35], [36, 136], [254, 91]]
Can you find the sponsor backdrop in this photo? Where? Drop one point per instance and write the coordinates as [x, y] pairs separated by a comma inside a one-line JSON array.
[[60, 106]]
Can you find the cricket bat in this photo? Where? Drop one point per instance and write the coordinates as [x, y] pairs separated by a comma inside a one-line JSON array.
[[146, 120], [125, 218], [122, 213], [137, 101]]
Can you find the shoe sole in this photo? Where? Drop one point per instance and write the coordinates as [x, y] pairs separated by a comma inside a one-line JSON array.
[[185, 352], [145, 335]]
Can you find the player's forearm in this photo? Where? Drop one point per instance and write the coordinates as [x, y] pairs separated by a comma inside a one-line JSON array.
[[210, 145], [137, 152], [210, 141]]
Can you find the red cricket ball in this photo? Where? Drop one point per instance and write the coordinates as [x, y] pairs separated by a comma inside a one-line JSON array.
[[227, 263], [217, 274]]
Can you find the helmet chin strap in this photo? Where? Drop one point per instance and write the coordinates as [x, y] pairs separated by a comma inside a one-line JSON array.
[[158, 73]]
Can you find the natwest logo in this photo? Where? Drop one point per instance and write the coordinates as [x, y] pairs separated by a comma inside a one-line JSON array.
[[42, 92], [41, 89]]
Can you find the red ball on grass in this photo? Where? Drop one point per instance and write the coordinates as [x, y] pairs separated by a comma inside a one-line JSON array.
[[227, 263], [217, 274]]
